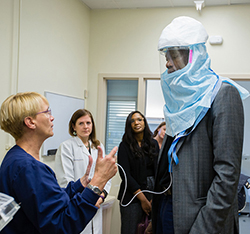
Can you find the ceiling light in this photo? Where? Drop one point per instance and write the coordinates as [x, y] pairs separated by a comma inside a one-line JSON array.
[[199, 5]]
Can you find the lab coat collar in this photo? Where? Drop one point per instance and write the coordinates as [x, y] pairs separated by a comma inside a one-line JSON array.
[[80, 144]]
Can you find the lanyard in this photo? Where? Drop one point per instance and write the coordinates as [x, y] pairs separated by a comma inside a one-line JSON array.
[[172, 149]]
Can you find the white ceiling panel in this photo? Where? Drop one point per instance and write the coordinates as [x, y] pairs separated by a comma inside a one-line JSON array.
[[124, 4]]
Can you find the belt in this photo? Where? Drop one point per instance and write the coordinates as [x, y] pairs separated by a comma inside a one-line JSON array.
[[168, 192]]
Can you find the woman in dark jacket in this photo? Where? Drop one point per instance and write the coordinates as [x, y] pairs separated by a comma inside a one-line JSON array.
[[137, 154]]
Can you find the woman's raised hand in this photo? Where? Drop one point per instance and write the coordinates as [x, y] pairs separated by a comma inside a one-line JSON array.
[[85, 179], [105, 168]]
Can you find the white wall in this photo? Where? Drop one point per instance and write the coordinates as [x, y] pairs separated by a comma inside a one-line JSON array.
[[125, 41], [44, 47], [54, 46], [6, 35]]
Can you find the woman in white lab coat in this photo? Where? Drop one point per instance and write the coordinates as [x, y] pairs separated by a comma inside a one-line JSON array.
[[72, 159]]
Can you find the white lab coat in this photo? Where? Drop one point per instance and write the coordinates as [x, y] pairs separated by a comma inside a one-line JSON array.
[[71, 162]]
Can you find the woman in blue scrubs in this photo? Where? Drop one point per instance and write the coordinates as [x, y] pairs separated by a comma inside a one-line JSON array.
[[45, 206]]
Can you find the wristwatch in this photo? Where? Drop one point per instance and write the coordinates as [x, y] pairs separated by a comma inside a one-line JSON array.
[[95, 189]]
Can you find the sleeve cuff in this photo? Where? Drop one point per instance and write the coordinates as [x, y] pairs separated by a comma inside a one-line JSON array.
[[90, 196], [78, 186]]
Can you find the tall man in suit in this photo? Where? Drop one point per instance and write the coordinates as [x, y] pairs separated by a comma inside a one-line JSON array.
[[200, 159]]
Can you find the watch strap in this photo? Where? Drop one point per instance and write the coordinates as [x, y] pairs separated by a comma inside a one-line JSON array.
[[105, 193]]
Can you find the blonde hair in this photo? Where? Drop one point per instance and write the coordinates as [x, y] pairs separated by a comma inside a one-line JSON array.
[[16, 108]]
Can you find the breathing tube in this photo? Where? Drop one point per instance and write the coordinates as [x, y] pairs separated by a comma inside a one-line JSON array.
[[143, 191]]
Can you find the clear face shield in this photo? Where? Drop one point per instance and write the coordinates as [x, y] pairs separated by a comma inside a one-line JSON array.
[[174, 58]]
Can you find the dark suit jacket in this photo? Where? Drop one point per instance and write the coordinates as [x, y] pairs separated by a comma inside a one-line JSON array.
[[204, 188]]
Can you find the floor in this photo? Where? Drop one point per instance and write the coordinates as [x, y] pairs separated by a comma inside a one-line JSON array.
[[244, 221]]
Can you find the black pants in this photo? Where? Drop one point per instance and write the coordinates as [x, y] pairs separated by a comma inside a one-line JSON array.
[[130, 217]]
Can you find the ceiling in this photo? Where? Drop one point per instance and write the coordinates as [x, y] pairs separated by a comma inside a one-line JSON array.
[[126, 4]]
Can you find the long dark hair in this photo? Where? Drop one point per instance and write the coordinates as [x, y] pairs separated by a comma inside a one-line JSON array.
[[147, 145], [78, 114]]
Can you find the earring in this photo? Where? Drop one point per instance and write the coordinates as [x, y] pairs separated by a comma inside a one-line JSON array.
[[74, 133]]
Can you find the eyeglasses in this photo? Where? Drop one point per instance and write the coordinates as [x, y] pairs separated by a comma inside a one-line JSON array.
[[138, 119], [46, 112]]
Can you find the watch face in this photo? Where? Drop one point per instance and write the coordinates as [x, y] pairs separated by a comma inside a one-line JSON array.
[[97, 190]]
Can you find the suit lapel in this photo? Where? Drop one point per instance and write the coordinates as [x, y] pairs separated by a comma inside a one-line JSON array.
[[162, 147], [179, 144]]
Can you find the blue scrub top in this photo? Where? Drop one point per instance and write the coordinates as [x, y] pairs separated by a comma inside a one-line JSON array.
[[45, 206]]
